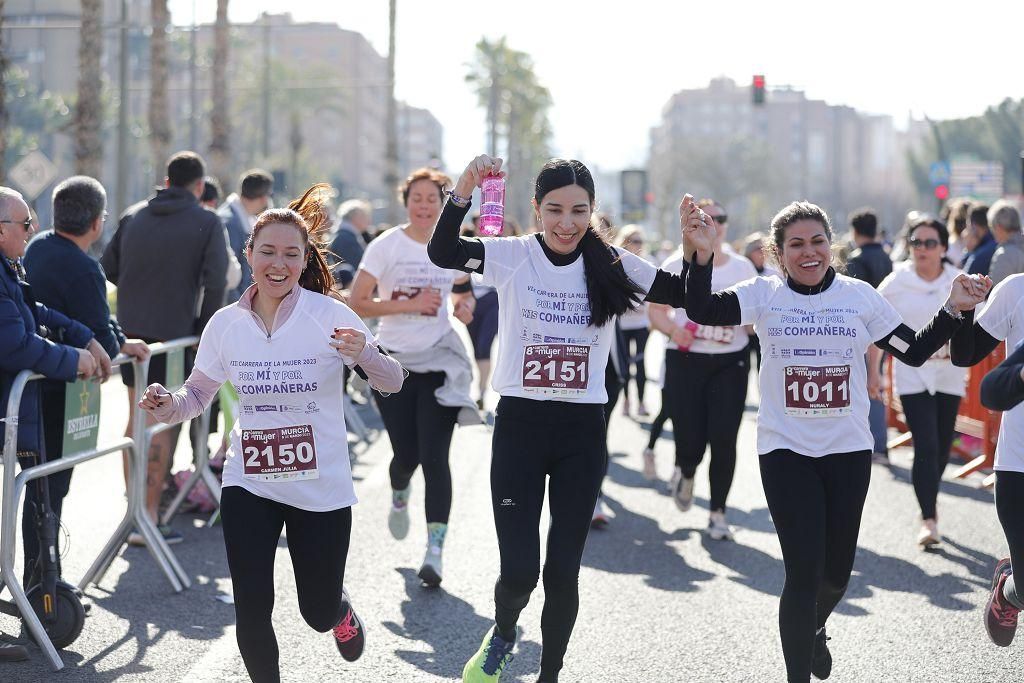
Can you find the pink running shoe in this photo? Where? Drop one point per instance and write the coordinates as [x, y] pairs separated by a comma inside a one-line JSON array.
[[1000, 614]]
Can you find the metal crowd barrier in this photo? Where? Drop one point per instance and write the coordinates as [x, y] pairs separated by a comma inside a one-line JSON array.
[[135, 516]]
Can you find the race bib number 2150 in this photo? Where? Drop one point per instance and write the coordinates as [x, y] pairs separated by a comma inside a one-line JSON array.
[[279, 454]]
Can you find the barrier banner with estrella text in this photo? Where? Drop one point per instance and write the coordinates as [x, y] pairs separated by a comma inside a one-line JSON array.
[[81, 416]]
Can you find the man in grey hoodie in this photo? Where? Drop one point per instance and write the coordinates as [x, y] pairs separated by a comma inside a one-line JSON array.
[[166, 252]]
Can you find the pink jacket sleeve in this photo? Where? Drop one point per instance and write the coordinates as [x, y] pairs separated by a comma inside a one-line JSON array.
[[190, 401], [383, 373]]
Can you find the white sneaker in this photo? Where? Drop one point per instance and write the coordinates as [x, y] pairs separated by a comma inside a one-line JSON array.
[[430, 570], [718, 530], [601, 517], [398, 518], [929, 535], [681, 489], [650, 471]]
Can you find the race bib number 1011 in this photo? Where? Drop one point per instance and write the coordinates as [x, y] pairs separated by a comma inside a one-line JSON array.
[[818, 391], [556, 369], [279, 454]]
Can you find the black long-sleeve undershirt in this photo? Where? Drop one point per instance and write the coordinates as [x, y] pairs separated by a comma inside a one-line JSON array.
[[447, 249], [1003, 388], [971, 344], [723, 308]]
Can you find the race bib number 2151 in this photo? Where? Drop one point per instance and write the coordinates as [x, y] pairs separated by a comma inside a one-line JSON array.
[[556, 368]]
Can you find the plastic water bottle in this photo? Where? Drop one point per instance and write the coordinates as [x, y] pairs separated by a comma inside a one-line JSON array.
[[492, 211]]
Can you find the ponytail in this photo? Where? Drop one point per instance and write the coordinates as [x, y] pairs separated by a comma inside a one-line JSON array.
[[609, 291], [309, 215]]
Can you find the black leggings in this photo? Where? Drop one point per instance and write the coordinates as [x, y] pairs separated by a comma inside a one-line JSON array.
[[816, 505], [707, 395], [932, 420], [637, 341], [658, 423], [318, 545], [1010, 508], [420, 430], [534, 441]]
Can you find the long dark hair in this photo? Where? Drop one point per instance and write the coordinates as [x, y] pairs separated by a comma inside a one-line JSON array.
[[609, 291], [308, 214]]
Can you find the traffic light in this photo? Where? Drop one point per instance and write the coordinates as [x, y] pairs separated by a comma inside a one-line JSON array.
[[942, 192], [758, 89]]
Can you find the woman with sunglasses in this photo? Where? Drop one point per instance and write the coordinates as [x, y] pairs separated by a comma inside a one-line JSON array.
[[930, 394], [635, 328], [706, 376]]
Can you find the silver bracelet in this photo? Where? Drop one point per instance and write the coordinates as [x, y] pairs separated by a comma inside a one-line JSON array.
[[461, 202], [952, 311]]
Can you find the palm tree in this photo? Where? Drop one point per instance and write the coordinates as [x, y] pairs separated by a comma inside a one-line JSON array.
[[159, 120], [89, 109], [220, 123]]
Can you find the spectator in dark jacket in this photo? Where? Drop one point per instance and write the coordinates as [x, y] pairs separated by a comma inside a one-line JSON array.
[[870, 263], [982, 244], [22, 347], [239, 214], [348, 244], [65, 278], [1008, 258], [165, 251]]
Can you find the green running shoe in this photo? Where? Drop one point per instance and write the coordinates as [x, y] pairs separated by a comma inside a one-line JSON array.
[[490, 660]]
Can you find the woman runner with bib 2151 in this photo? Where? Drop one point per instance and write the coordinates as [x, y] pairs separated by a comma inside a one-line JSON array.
[[812, 425], [559, 291], [283, 346]]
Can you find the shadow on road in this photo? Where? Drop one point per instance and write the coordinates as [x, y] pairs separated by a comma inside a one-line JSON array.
[[450, 627], [872, 570], [648, 553], [146, 603], [755, 569]]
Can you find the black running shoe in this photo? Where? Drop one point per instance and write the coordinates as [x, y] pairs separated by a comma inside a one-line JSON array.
[[349, 634], [821, 658]]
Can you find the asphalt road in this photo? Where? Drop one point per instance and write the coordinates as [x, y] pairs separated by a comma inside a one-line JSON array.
[[659, 601]]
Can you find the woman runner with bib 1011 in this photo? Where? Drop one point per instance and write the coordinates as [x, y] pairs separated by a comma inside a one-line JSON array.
[[812, 425], [283, 346], [559, 291]]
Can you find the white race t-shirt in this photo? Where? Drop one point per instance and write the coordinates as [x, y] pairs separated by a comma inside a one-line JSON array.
[[290, 442], [1003, 318], [813, 379], [547, 348], [713, 338], [917, 301], [402, 269]]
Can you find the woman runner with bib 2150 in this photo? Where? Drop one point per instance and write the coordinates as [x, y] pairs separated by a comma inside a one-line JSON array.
[[559, 291], [812, 425], [283, 346]]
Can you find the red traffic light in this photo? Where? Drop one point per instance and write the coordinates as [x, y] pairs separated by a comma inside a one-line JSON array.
[[759, 81], [941, 191]]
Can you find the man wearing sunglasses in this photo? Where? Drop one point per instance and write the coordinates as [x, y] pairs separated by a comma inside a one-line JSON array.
[[22, 347]]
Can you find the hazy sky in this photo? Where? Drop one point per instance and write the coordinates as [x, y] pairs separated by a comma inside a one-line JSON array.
[[612, 66]]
